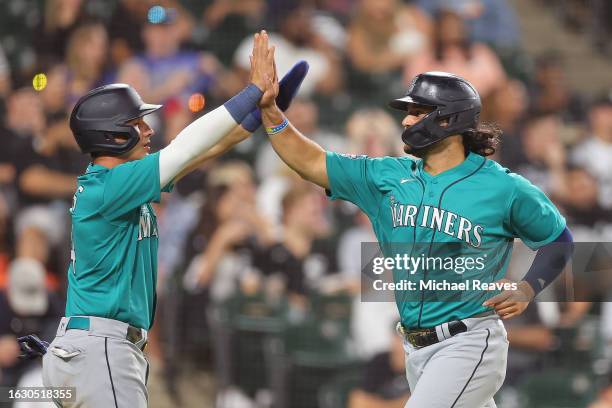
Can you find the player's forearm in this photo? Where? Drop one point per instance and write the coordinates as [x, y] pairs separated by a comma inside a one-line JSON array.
[[235, 136], [304, 156], [550, 262], [204, 133]]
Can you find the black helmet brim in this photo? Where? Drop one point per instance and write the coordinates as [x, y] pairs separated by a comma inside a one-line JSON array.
[[144, 110], [405, 102]]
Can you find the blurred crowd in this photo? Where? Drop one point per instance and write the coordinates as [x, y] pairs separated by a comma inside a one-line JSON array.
[[253, 260]]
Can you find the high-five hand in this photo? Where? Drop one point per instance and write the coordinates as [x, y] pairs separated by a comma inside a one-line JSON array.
[[262, 62]]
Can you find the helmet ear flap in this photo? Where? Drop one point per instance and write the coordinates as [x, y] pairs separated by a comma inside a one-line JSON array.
[[447, 121], [125, 139]]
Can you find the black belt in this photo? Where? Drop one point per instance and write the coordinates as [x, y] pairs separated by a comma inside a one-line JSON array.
[[426, 337]]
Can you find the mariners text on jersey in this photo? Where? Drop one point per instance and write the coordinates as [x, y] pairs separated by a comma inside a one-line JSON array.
[[147, 227], [449, 223]]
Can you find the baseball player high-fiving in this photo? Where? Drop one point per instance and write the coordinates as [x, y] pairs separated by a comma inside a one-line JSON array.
[[112, 275], [448, 195]]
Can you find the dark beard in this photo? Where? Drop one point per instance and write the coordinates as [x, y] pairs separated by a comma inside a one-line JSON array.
[[420, 153]]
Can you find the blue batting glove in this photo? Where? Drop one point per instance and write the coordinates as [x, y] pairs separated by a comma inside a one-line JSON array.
[[32, 347], [287, 89]]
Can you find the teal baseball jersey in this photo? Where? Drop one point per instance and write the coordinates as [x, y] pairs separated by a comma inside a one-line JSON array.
[[113, 268], [472, 211]]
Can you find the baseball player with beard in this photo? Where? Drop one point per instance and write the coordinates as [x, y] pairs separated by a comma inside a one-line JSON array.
[[98, 348], [447, 195]]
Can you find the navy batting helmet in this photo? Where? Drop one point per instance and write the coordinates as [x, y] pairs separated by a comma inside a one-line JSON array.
[[452, 98], [103, 113]]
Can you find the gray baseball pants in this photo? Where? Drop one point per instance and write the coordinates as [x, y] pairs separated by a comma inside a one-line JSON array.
[[106, 370], [463, 371]]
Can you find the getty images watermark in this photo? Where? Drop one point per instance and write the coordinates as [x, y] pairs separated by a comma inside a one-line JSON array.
[[455, 271], [452, 280]]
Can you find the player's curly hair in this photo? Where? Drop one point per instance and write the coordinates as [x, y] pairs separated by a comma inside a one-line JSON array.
[[483, 140]]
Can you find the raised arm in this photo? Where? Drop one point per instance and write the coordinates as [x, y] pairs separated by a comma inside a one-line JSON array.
[[304, 156], [192, 143], [288, 88]]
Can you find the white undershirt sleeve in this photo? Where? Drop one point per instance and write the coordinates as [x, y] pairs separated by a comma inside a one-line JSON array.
[[197, 138]]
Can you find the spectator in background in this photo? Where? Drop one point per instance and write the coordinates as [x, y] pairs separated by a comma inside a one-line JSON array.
[[296, 258], [49, 162], [24, 116], [373, 132], [54, 94], [296, 40], [174, 75], [328, 26], [41, 233], [595, 153], [23, 123], [505, 107], [127, 23], [25, 308], [349, 245], [86, 57], [383, 36], [46, 162], [125, 30], [490, 21], [384, 383], [36, 230], [229, 235], [453, 51], [228, 22], [543, 160], [61, 18], [550, 92], [585, 216]]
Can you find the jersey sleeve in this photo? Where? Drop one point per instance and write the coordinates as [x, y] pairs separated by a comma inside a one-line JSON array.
[[130, 185], [532, 217], [352, 178]]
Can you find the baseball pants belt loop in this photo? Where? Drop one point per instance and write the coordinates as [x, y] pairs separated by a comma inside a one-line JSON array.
[[108, 328]]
